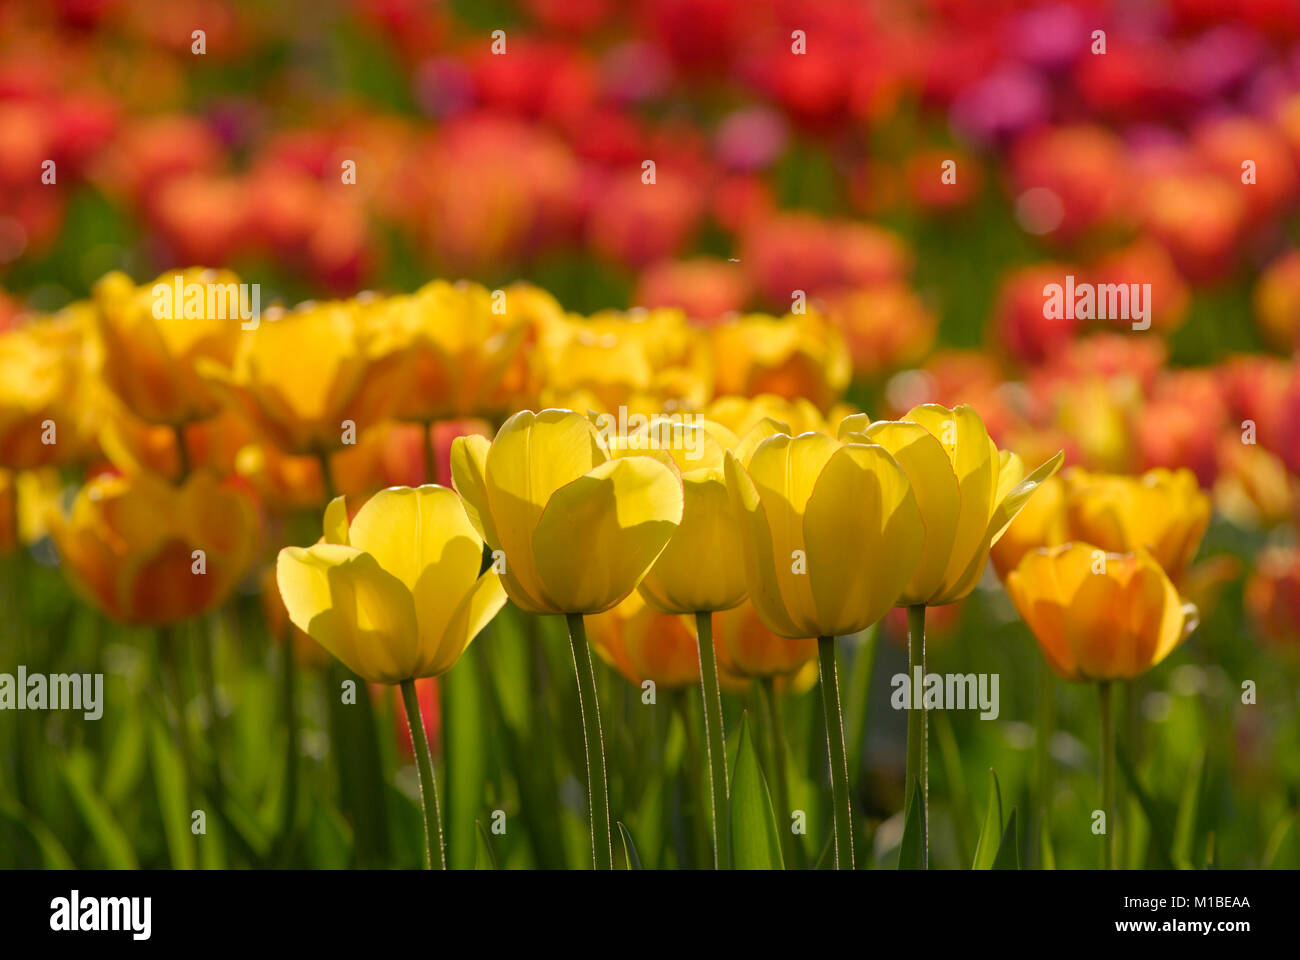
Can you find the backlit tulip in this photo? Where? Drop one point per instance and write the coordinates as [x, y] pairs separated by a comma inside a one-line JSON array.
[[699, 569], [577, 528], [1098, 615], [832, 535], [152, 340], [395, 594], [1162, 511], [147, 552], [968, 492]]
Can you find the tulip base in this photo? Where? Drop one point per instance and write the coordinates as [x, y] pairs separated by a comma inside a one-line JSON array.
[[830, 690], [428, 785], [602, 842]]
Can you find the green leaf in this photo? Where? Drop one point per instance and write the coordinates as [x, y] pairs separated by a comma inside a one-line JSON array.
[[1008, 857], [911, 855], [1283, 851], [53, 856], [465, 747], [112, 841], [630, 859], [1045, 845], [755, 843], [1157, 817], [173, 803], [1185, 820], [484, 857], [986, 848]]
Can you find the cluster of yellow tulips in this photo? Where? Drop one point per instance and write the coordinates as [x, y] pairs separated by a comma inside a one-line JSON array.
[[823, 534], [793, 525]]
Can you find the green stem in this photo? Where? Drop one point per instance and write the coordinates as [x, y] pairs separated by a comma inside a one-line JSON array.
[[918, 729], [182, 452], [1107, 773], [207, 661], [326, 475], [428, 785], [1043, 750], [780, 775], [289, 674], [602, 844], [715, 741], [830, 689]]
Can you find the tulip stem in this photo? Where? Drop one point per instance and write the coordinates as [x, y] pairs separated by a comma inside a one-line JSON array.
[[429, 470], [830, 688], [326, 475], [428, 785], [1107, 773], [715, 740], [602, 844], [182, 452], [918, 729]]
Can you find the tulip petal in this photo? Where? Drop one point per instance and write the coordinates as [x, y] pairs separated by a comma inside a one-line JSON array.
[[864, 535], [938, 496], [335, 526], [1014, 501], [533, 456], [423, 537], [600, 533], [341, 598], [483, 602], [760, 563], [702, 566]]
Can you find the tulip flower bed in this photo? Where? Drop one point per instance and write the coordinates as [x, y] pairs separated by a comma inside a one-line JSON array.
[[673, 434]]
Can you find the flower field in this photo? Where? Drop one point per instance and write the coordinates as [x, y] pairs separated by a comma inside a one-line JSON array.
[[671, 434]]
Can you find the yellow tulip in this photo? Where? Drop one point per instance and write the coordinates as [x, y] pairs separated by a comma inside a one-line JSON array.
[[395, 594], [797, 355], [968, 492], [576, 528], [643, 644], [1099, 616], [151, 346], [45, 407], [643, 359], [302, 373], [1162, 511], [698, 570], [132, 545], [832, 533], [798, 414], [1042, 523], [460, 350]]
